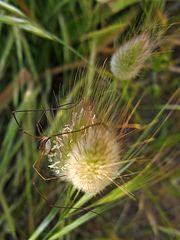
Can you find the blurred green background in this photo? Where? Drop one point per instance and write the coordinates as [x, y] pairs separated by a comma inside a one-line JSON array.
[[43, 44]]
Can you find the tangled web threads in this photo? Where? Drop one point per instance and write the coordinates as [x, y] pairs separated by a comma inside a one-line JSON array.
[[88, 159]]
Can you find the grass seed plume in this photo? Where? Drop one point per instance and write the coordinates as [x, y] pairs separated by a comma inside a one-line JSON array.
[[129, 59]]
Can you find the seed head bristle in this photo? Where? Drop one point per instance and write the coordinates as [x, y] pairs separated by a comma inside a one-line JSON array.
[[97, 148]]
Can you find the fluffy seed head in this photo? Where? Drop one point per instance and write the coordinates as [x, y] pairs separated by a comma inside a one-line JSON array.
[[93, 160], [88, 159], [128, 60]]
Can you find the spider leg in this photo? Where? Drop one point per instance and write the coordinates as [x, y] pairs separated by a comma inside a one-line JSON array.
[[19, 125], [65, 106], [79, 130], [38, 124], [45, 178], [51, 205]]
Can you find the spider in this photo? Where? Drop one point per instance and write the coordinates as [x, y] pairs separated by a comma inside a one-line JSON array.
[[45, 146], [44, 141]]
